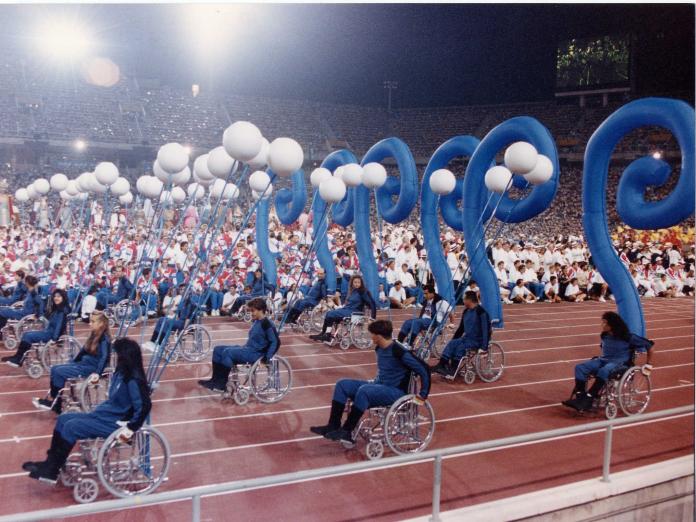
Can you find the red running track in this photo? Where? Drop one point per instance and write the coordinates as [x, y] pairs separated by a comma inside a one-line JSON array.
[[215, 442]]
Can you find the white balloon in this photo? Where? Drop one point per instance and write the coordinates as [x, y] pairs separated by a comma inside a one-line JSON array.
[[152, 187], [285, 156], [352, 174], [542, 171], [181, 178], [259, 180], [120, 187], [216, 188], [172, 157], [374, 175], [84, 181], [141, 183], [520, 157], [231, 191], [59, 182], [332, 190], [82, 196], [126, 199], [200, 168], [31, 192], [21, 195], [196, 188], [219, 162], [318, 175], [338, 173], [498, 179], [64, 195], [178, 195], [442, 182], [266, 194], [160, 173], [206, 182], [106, 173], [242, 140], [42, 186], [73, 188], [261, 159]]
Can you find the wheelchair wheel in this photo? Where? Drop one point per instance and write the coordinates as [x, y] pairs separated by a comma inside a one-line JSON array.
[[359, 335], [634, 391], [489, 366], [316, 320], [344, 343], [374, 450], [135, 468], [126, 312], [92, 395], [271, 382], [240, 396], [60, 352], [195, 343], [10, 341], [85, 491], [439, 344], [409, 427], [610, 410], [30, 324], [469, 377], [304, 322], [34, 370]]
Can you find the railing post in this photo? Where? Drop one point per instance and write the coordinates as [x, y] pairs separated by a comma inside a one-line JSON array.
[[196, 508], [607, 455], [437, 482]]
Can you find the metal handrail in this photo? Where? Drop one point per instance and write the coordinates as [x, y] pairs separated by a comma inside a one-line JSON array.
[[195, 493]]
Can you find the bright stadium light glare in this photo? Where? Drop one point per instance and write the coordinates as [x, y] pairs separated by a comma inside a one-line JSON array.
[[657, 155], [79, 145], [188, 149], [212, 28], [63, 39]]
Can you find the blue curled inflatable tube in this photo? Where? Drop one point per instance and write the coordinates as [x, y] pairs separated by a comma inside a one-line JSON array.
[[290, 203], [405, 187], [522, 128], [674, 115], [325, 257], [268, 260], [449, 150]]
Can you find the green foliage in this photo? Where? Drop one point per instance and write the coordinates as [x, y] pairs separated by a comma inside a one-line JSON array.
[[592, 61]]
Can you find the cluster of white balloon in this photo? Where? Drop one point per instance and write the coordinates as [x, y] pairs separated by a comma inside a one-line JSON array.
[[104, 178], [520, 158], [333, 187], [243, 142]]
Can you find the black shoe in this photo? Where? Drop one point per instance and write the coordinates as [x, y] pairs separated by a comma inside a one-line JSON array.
[[42, 404], [5, 359], [340, 434], [328, 339], [45, 472], [14, 362], [582, 402], [322, 430], [441, 369], [31, 465], [212, 385], [316, 337]]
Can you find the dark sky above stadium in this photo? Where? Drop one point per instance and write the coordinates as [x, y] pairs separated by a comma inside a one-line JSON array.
[[439, 54]]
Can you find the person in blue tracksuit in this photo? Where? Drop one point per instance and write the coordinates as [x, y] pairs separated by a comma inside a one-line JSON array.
[[121, 290], [92, 359], [316, 293], [395, 364], [57, 322], [474, 332], [20, 290], [129, 401], [259, 288], [263, 342], [175, 321], [618, 346], [357, 299], [33, 305], [431, 315]]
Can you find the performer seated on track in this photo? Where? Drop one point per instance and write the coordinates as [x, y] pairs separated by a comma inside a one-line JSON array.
[[314, 296], [357, 299], [57, 321], [394, 366], [259, 288], [32, 304], [434, 306], [176, 314], [90, 361], [20, 290], [618, 345], [129, 400], [474, 332], [120, 289], [263, 342]]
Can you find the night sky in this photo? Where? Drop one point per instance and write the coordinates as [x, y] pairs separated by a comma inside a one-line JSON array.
[[439, 54]]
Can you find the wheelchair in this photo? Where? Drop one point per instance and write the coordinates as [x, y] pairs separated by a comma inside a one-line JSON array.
[[427, 345], [14, 329], [193, 343], [268, 382], [126, 312], [79, 395], [627, 389], [124, 470], [404, 427], [352, 331], [311, 320], [43, 356], [244, 314], [486, 365]]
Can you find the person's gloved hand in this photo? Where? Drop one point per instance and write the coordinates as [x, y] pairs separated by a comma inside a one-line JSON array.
[[93, 378], [646, 369], [125, 435], [420, 401]]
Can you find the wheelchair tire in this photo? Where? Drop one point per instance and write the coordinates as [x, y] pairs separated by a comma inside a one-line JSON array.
[[469, 377], [316, 320], [611, 410], [62, 351], [374, 450], [344, 343], [195, 343], [10, 342], [86, 491], [135, 468], [634, 391], [92, 395], [35, 370], [126, 312], [359, 335], [408, 426], [271, 382], [240, 396], [490, 366]]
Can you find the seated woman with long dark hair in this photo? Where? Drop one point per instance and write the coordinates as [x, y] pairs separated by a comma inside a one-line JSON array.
[[129, 400]]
